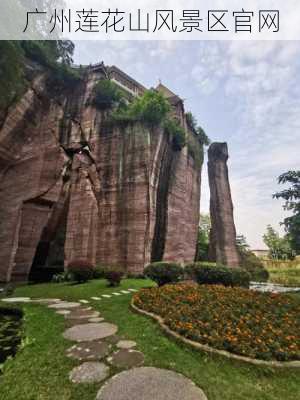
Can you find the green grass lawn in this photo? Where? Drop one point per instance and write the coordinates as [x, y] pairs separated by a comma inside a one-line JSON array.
[[40, 370], [285, 276]]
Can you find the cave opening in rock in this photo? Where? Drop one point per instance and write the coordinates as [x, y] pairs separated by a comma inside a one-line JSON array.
[[50, 254]]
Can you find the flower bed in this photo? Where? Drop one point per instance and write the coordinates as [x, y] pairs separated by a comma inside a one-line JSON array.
[[257, 325]]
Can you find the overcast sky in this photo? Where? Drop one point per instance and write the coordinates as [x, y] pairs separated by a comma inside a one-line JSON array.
[[244, 93]]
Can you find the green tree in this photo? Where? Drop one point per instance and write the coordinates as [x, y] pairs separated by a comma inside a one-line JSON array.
[[279, 247], [249, 261], [55, 55], [203, 238], [12, 80], [242, 244], [292, 203]]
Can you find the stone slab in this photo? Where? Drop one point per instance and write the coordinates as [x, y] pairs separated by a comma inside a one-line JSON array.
[[148, 383], [69, 323], [89, 351], [17, 300], [126, 344], [126, 359], [83, 314], [63, 312], [97, 319], [90, 331], [64, 304], [46, 301], [89, 372]]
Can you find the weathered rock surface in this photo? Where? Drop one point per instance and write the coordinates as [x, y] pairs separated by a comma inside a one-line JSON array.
[[89, 351], [126, 358], [90, 331], [71, 186], [223, 247], [64, 305], [89, 372], [126, 344], [149, 383]]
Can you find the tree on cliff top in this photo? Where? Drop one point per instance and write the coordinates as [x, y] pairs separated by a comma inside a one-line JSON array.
[[292, 203], [55, 55]]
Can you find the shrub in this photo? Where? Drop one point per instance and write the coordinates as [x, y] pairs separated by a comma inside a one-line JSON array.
[[176, 131], [151, 109], [61, 277], [193, 124], [113, 276], [164, 272], [254, 266], [81, 270], [107, 94], [99, 272], [210, 274]]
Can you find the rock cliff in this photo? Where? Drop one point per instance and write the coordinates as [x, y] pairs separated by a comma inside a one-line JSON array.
[[73, 186], [222, 246]]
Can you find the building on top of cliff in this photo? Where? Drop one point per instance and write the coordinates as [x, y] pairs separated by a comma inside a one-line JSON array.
[[125, 81], [174, 100]]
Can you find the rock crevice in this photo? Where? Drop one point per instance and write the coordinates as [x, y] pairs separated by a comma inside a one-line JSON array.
[[72, 187]]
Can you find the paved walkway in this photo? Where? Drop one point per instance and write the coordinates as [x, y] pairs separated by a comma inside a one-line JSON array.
[[101, 352]]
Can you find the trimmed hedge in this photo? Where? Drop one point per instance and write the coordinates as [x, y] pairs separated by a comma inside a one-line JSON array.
[[164, 272], [210, 274], [81, 270]]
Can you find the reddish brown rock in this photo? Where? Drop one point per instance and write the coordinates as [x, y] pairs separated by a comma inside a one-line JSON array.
[[73, 187], [223, 247]]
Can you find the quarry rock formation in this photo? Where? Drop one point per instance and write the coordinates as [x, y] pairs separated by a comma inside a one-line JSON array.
[[72, 186], [222, 246]]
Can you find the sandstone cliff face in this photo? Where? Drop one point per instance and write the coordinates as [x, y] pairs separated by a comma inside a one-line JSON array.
[[71, 185], [223, 247]]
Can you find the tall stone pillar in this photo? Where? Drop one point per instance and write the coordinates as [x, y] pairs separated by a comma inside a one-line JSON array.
[[223, 247]]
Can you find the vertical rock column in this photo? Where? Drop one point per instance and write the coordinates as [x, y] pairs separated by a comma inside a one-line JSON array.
[[223, 247]]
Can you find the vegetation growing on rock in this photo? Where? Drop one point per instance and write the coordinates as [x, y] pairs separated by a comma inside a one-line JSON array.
[[107, 95], [53, 55]]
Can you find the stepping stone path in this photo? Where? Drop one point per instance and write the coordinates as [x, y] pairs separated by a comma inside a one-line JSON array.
[[126, 359], [63, 312], [126, 344], [89, 351], [90, 331], [80, 314], [89, 372], [64, 304], [96, 342], [149, 383], [96, 319], [17, 300]]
